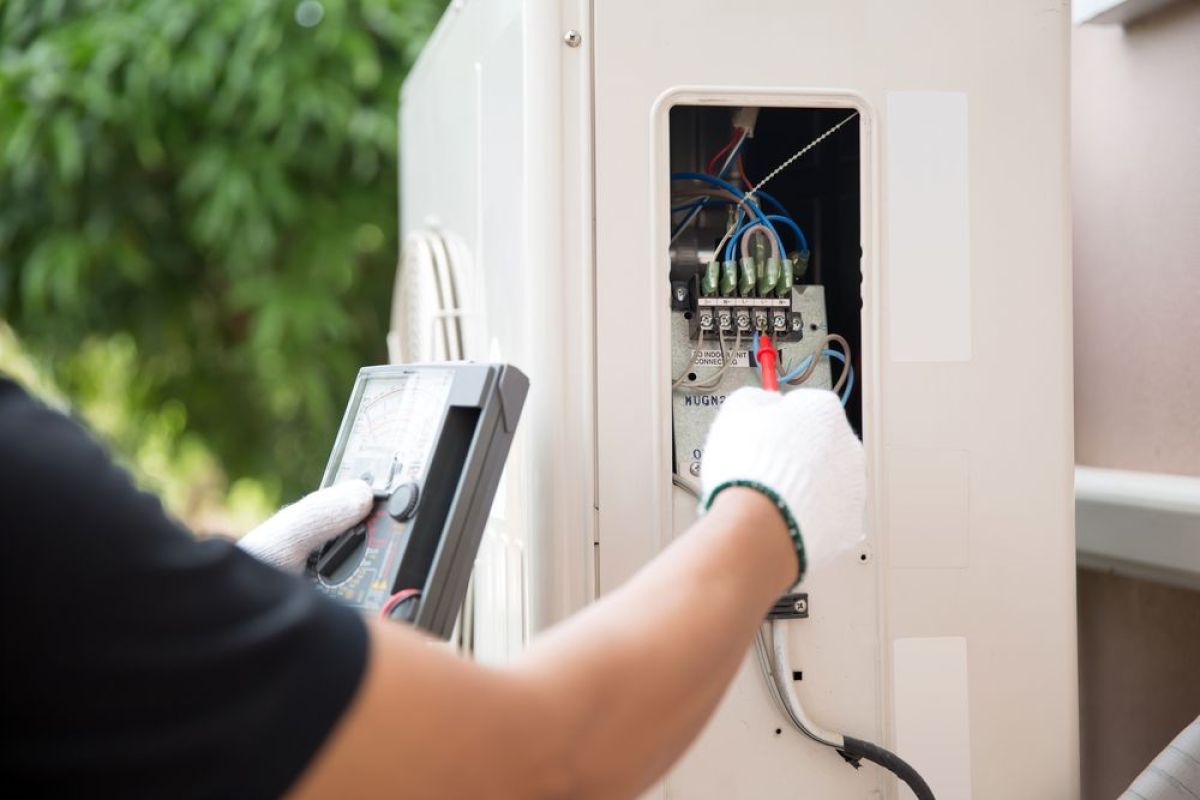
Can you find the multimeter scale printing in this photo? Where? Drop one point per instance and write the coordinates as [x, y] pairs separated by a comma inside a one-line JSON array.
[[431, 440]]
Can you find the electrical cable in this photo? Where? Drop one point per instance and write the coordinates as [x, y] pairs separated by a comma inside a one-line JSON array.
[[710, 382], [744, 233], [736, 138], [761, 195], [854, 750], [801, 239], [847, 375], [775, 660], [708, 193], [687, 487], [804, 370], [743, 198], [395, 600], [737, 141], [733, 154], [679, 379]]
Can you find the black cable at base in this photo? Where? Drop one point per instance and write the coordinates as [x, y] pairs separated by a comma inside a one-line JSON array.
[[854, 749]]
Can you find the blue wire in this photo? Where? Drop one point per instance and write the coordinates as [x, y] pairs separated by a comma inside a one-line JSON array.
[[849, 387], [801, 241], [731, 245], [736, 192], [803, 365], [778, 205], [710, 179]]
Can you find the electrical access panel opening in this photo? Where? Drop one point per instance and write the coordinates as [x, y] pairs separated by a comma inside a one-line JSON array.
[[764, 243]]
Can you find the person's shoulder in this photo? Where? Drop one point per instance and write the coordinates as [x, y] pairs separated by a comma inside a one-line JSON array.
[[41, 447]]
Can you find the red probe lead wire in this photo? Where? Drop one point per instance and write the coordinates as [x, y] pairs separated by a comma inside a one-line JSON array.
[[767, 355]]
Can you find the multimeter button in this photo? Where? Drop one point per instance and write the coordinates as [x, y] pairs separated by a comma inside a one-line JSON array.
[[340, 550], [403, 502]]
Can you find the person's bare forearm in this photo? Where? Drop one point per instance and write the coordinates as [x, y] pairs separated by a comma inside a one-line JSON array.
[[598, 707], [635, 676]]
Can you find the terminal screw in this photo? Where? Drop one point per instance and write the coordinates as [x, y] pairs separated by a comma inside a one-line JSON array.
[[743, 320], [779, 321]]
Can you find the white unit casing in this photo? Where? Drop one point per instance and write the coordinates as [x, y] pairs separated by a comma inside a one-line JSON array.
[[534, 145]]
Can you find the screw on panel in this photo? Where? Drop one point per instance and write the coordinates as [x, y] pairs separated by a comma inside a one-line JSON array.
[[801, 605], [573, 38], [680, 293], [694, 468]]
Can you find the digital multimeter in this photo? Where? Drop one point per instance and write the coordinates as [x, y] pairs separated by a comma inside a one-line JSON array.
[[431, 440]]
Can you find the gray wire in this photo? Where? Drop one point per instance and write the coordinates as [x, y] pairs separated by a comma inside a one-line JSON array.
[[679, 379], [777, 668], [727, 359], [816, 360], [687, 487]]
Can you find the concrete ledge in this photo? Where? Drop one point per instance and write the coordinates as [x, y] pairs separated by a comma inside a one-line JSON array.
[[1113, 12], [1139, 524]]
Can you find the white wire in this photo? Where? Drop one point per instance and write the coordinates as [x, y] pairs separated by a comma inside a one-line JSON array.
[[733, 153]]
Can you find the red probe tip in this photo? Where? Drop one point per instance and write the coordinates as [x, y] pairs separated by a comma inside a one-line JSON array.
[[767, 355]]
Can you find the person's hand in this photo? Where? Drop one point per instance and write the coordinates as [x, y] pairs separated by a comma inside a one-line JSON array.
[[799, 451], [286, 539]]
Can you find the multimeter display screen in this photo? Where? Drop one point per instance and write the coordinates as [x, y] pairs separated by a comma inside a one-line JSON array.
[[394, 428]]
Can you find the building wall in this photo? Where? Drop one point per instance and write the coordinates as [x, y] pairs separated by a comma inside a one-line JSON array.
[[1136, 185]]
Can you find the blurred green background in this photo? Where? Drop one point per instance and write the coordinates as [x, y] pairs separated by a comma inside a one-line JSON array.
[[198, 228]]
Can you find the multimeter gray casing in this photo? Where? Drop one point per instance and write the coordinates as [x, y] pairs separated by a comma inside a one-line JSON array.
[[431, 439]]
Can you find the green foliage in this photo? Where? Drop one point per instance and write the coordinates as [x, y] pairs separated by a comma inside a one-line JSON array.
[[201, 195]]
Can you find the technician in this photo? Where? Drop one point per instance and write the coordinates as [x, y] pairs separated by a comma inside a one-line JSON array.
[[139, 661]]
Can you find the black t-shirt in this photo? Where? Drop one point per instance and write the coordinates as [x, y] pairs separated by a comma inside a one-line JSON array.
[[139, 661]]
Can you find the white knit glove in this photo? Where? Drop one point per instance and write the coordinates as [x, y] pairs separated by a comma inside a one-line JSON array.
[[798, 450], [285, 539]]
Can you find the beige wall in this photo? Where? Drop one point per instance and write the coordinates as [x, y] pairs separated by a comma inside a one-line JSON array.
[[1136, 184], [1139, 681]]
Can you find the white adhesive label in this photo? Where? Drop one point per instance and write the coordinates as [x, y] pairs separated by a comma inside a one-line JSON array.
[[715, 358], [933, 720], [928, 266]]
